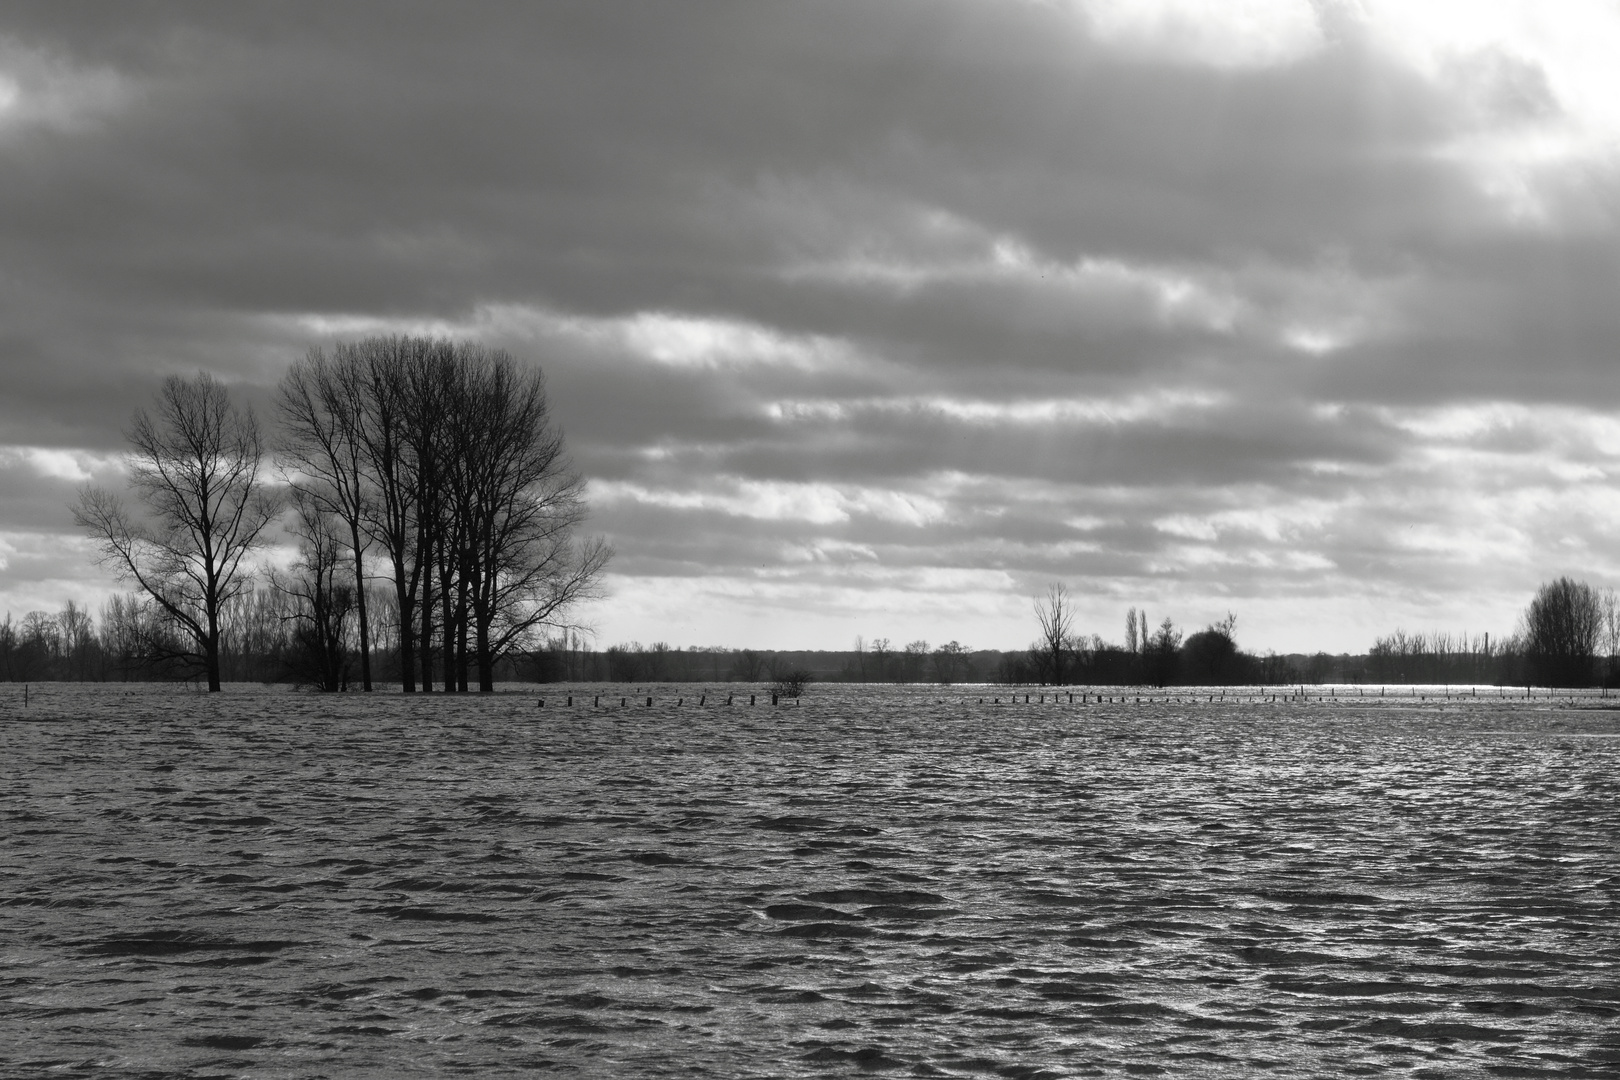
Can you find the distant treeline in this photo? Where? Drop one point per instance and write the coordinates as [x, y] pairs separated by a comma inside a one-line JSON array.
[[1569, 636], [1421, 659], [127, 641], [263, 637]]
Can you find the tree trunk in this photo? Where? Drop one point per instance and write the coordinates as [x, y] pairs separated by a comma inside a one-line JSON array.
[[426, 638], [461, 635], [360, 608], [211, 652], [461, 651], [447, 600], [407, 643], [486, 663]]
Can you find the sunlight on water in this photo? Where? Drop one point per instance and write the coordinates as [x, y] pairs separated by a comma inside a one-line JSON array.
[[266, 883]]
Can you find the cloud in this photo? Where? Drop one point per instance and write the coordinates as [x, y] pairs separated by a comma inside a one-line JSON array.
[[40, 89], [1234, 34], [859, 316], [1533, 87]]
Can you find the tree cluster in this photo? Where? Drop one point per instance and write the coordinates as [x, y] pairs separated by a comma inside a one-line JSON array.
[[878, 661], [430, 464], [263, 637], [1569, 636], [1563, 628], [1060, 656]]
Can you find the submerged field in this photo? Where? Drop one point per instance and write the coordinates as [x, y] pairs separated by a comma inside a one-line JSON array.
[[262, 883]]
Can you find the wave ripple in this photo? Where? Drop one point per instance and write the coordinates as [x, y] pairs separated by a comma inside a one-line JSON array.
[[263, 883]]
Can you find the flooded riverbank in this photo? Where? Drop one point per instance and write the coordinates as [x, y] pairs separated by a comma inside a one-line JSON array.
[[262, 883]]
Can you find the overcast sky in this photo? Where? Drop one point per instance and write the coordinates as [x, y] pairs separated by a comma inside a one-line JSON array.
[[876, 317]]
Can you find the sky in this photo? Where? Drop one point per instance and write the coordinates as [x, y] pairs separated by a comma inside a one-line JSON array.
[[875, 318]]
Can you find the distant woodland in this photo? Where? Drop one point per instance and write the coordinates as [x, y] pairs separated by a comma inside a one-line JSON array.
[[1568, 637]]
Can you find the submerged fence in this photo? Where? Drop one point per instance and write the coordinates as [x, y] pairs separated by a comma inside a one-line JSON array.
[[1337, 694]]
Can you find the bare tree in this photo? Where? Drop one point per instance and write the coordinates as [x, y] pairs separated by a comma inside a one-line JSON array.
[[321, 444], [444, 460], [1609, 604], [881, 651], [194, 465], [131, 638], [791, 682], [78, 640], [1161, 652], [320, 599], [657, 663], [624, 662], [746, 665], [519, 506], [951, 663], [914, 661], [1055, 614], [376, 370], [41, 645], [8, 649], [1562, 628]]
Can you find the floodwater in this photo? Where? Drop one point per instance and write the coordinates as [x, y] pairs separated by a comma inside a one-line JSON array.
[[269, 884]]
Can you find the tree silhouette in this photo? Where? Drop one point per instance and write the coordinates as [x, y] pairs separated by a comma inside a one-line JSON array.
[[1210, 657], [1161, 653], [1055, 614], [321, 444], [1562, 628], [446, 457], [194, 465]]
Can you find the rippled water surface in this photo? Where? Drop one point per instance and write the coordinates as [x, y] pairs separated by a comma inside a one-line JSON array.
[[262, 883]]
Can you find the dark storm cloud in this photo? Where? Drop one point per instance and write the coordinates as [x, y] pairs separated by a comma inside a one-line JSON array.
[[842, 305]]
